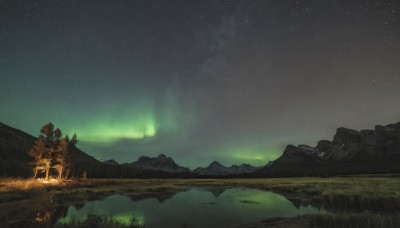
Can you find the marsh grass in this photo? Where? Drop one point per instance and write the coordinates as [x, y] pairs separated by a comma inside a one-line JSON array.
[[9, 184], [340, 193], [355, 220]]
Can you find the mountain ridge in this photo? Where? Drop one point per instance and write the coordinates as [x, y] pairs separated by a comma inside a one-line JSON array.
[[216, 169], [159, 163], [350, 151]]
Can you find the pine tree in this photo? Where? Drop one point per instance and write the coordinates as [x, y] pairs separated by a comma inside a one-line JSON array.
[[61, 156], [64, 157], [51, 151], [69, 156], [38, 154], [42, 150]]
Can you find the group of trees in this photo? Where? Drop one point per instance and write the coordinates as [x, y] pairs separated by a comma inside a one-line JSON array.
[[51, 153]]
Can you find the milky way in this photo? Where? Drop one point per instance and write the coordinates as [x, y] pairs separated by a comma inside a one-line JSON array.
[[233, 81]]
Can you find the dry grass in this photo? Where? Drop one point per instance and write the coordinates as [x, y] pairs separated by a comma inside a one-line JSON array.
[[373, 193], [355, 220], [7, 185]]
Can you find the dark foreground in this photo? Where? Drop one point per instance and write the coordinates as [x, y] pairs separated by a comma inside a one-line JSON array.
[[353, 201]]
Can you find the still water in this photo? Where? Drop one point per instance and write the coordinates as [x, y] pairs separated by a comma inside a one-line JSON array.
[[198, 207]]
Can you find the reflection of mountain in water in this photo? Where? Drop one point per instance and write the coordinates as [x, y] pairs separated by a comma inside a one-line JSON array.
[[218, 190], [159, 196], [215, 190]]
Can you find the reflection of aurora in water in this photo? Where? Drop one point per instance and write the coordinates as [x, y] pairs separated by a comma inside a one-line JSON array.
[[195, 208], [128, 219]]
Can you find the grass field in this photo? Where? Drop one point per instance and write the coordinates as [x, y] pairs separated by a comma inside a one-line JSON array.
[[355, 201]]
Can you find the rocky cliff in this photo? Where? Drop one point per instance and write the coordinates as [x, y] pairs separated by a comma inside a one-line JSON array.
[[350, 151]]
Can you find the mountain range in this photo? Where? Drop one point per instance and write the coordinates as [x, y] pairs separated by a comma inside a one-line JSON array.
[[349, 152], [216, 169], [167, 164]]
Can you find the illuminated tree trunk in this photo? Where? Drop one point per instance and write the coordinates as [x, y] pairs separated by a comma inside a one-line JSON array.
[[47, 169], [60, 173], [36, 170], [47, 173], [66, 175]]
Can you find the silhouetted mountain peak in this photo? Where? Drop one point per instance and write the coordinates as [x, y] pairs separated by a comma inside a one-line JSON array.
[[345, 135], [111, 162], [215, 164], [160, 163], [215, 168], [143, 158]]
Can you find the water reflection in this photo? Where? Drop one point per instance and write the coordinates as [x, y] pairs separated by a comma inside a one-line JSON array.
[[198, 207], [159, 196], [215, 190]]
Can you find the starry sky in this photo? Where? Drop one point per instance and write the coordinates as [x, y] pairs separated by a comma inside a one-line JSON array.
[[233, 81]]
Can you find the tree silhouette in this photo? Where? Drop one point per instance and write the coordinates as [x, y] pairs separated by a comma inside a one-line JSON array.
[[38, 153], [52, 151], [64, 156]]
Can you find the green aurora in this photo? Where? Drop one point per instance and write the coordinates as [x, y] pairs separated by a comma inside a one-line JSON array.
[[198, 82]]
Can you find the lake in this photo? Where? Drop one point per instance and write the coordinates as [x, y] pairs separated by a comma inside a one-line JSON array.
[[198, 207]]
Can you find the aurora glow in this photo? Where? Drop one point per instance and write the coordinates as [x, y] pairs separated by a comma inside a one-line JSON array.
[[232, 81], [111, 132]]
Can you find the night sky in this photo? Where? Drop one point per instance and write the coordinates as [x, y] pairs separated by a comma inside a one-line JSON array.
[[233, 81]]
